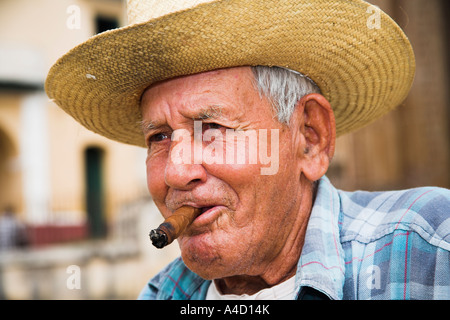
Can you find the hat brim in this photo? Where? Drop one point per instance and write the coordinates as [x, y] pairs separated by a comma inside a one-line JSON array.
[[363, 72]]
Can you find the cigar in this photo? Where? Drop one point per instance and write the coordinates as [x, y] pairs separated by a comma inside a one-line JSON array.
[[173, 226]]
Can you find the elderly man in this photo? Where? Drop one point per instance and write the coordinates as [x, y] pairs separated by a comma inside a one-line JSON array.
[[191, 74]]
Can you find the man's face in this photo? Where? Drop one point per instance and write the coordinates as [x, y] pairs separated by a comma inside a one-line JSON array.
[[247, 216]]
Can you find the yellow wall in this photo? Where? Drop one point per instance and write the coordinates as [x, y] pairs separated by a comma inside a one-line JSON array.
[[10, 173], [123, 178]]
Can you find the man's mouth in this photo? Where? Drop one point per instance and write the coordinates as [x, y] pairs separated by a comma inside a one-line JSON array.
[[207, 214], [204, 209]]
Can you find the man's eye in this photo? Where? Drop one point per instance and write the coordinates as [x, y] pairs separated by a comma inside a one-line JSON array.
[[157, 137], [212, 126]]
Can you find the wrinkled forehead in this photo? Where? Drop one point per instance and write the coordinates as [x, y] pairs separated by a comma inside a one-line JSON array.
[[229, 76], [207, 90]]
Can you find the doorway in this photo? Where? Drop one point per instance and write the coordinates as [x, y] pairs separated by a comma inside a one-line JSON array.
[[94, 186]]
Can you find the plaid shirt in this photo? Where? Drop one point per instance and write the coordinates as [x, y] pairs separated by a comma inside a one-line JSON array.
[[358, 245]]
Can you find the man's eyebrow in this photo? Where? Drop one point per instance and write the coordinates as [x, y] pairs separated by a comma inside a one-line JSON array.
[[147, 125], [210, 112]]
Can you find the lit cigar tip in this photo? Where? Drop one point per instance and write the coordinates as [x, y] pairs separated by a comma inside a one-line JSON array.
[[158, 238], [173, 226]]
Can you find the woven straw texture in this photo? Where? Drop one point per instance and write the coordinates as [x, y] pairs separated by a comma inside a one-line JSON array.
[[363, 72]]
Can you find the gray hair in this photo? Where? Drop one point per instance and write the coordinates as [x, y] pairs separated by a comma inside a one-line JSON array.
[[283, 87]]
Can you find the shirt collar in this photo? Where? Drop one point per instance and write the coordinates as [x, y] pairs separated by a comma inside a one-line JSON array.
[[321, 265], [177, 282]]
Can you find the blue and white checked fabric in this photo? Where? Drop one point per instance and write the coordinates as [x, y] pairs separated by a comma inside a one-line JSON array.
[[358, 245]]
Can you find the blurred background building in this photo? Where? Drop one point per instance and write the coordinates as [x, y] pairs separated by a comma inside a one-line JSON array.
[[410, 146], [82, 198]]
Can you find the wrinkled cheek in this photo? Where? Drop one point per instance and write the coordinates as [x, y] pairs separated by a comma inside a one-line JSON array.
[[155, 179]]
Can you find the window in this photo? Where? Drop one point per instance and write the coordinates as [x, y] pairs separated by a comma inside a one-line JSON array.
[[104, 23]]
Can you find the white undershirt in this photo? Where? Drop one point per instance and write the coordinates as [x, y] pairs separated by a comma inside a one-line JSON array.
[[282, 291]]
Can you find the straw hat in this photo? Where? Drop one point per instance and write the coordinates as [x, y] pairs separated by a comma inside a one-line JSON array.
[[362, 69]]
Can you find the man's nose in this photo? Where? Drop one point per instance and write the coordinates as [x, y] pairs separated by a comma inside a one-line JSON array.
[[184, 172]]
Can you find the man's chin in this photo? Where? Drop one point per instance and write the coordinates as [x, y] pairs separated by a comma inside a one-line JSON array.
[[201, 266], [201, 257]]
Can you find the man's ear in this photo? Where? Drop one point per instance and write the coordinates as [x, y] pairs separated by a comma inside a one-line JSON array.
[[319, 135]]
